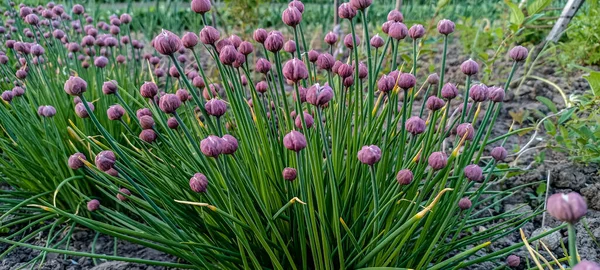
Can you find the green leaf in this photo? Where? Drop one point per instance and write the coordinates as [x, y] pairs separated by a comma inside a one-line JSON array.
[[537, 6], [550, 128], [548, 103], [516, 15], [566, 116], [594, 80]]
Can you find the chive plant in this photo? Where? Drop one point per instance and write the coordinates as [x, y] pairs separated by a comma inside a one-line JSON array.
[[283, 159]]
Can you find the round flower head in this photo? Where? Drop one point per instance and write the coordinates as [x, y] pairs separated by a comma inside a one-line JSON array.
[[215, 107], [496, 94], [348, 81], [146, 122], [465, 130], [76, 161], [246, 48], [404, 177], [21, 74], [172, 123], [289, 46], [518, 53], [228, 55], [260, 35], [385, 27], [148, 135], [200, 6], [115, 112], [294, 141], [586, 265], [302, 93], [434, 103], [120, 59], [567, 207], [346, 11], [361, 4], [469, 67], [149, 90], [473, 172], [415, 125], [174, 72], [395, 16], [291, 16], [345, 70], [478, 92], [169, 103], [464, 203], [93, 205], [325, 61], [229, 145], [416, 31], [449, 91], [445, 27], [183, 95], [211, 146], [101, 61], [438, 160], [167, 43], [78, 9], [406, 81], [513, 261], [295, 70], [319, 95], [274, 42], [336, 66], [18, 91], [308, 120], [198, 183], [313, 56], [81, 111], [397, 30], [32, 19], [261, 87], [369, 155], [7, 96], [189, 40], [289, 174], [499, 153], [198, 82], [46, 111], [263, 65], [349, 43], [125, 18], [75, 86], [363, 72], [386, 83], [105, 160], [209, 35], [144, 111], [377, 41], [123, 194], [331, 38]]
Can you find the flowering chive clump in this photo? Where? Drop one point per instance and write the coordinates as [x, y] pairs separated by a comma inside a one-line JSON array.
[[208, 166]]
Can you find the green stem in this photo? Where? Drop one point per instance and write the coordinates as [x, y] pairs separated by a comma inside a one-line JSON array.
[[572, 245]]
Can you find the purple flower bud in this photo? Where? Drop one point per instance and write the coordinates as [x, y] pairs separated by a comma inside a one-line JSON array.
[[105, 160], [473, 173], [260, 35], [395, 15], [438, 160], [148, 135], [348, 81], [32, 19], [513, 261], [120, 59], [415, 125], [209, 35], [263, 65], [469, 67], [294, 141], [369, 155], [246, 48], [319, 95], [37, 50], [362, 71], [404, 177], [174, 72], [109, 87], [18, 91], [349, 43], [81, 111], [290, 46], [125, 18], [465, 130], [227, 55], [201, 6], [189, 40], [360, 4], [198, 183], [144, 111], [46, 111], [449, 91], [325, 61], [78, 9], [229, 145], [586, 265], [198, 82], [93, 205], [496, 94], [291, 16], [289, 174], [313, 56], [146, 121], [261, 87], [295, 70], [211, 146], [215, 107], [345, 70], [336, 66], [172, 123], [445, 27], [331, 38], [406, 81], [416, 31], [115, 112], [123, 194], [308, 119], [101, 61], [75, 86], [7, 96], [434, 103], [464, 203], [169, 103], [499, 153], [386, 83], [302, 91], [377, 41], [274, 42], [346, 11], [518, 53], [148, 90], [167, 43], [567, 207], [397, 30], [76, 161]]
